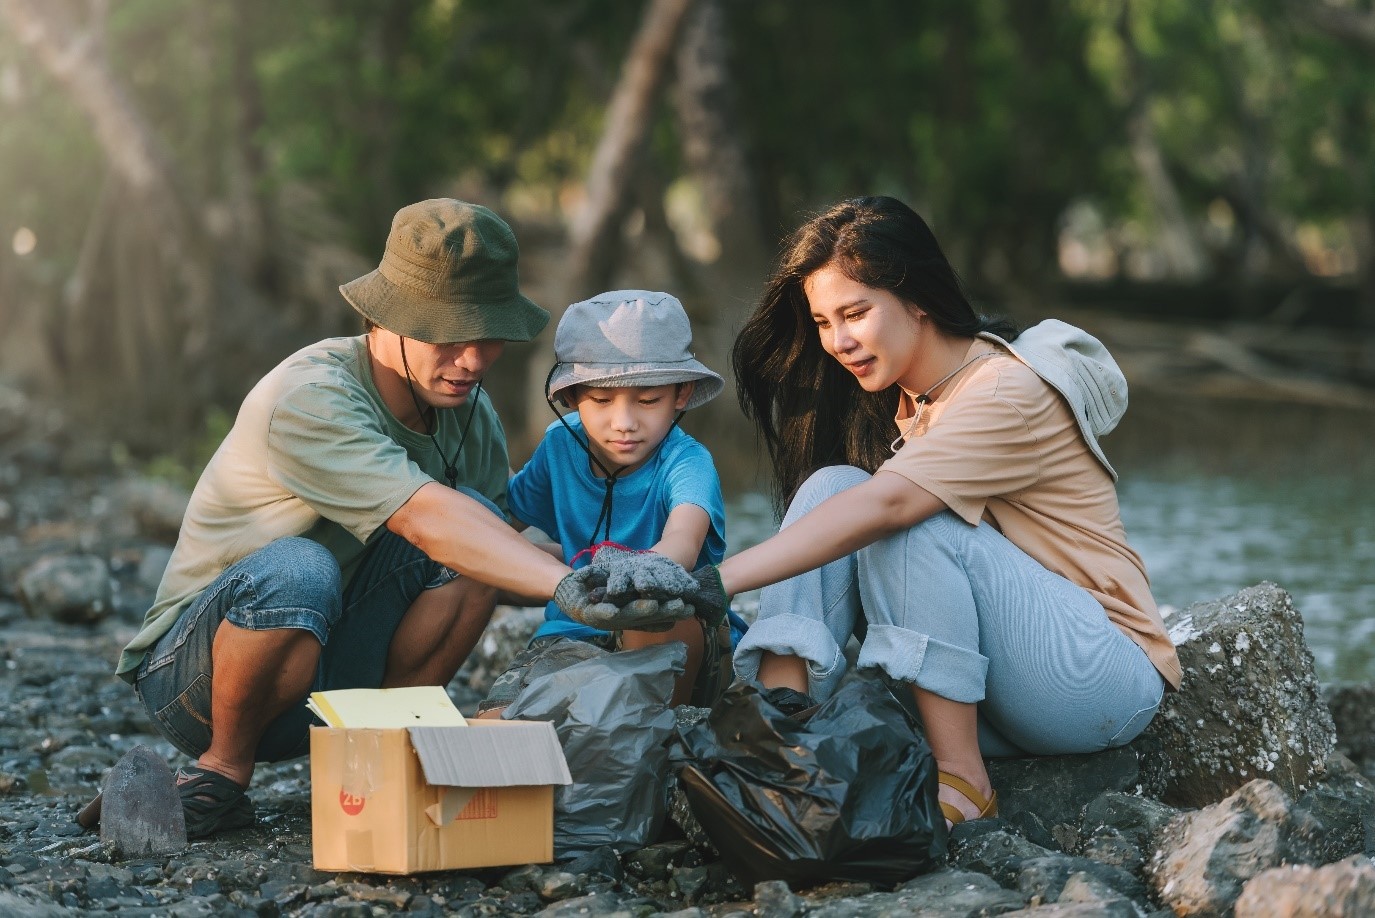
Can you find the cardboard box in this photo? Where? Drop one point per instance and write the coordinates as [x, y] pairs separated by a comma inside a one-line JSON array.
[[412, 799]]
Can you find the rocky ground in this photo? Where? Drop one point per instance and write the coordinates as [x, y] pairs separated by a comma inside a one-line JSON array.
[[1250, 795]]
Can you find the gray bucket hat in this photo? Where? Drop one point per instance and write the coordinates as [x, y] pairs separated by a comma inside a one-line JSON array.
[[629, 338], [448, 274], [1079, 367]]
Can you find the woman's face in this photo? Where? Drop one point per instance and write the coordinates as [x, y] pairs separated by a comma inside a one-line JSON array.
[[873, 333]]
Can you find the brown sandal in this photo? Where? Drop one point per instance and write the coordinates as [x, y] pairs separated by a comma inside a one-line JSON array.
[[952, 813]]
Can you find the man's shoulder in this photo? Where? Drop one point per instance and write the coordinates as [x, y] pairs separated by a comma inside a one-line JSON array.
[[326, 370]]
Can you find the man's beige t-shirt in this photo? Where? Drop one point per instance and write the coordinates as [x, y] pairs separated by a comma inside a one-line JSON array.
[[1002, 446], [314, 452]]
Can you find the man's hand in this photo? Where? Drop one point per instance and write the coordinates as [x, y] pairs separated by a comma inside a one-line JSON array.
[[584, 597]]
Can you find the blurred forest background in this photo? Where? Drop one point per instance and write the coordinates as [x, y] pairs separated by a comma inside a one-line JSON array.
[[183, 185]]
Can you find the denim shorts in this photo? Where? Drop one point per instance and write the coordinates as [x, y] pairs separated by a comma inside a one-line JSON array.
[[292, 582]]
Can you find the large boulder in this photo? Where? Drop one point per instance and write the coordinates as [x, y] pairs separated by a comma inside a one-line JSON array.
[[1250, 704], [1056, 788]]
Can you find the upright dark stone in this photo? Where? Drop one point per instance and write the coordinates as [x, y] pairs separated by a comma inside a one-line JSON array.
[[141, 811]]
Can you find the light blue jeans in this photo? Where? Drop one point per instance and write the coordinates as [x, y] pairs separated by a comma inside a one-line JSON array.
[[288, 583], [960, 611]]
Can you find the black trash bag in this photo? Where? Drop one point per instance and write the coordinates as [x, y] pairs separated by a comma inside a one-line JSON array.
[[849, 794], [613, 719]]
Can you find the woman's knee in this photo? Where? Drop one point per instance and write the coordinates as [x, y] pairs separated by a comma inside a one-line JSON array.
[[822, 484]]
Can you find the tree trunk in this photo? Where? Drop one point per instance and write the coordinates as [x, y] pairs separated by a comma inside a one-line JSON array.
[[159, 308], [1179, 243], [719, 165], [596, 226]]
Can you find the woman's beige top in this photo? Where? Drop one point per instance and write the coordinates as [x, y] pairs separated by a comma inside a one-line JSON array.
[[999, 445]]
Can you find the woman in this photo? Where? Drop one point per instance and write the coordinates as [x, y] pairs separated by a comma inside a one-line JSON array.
[[949, 504]]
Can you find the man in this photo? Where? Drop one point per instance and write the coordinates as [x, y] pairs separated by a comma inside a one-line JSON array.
[[350, 531]]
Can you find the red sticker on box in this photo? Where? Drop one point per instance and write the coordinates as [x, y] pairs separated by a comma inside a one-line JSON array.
[[351, 804]]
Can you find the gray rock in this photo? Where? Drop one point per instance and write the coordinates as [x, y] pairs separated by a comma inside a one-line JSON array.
[[1114, 850], [606, 905], [141, 811], [152, 565], [1057, 787], [155, 504], [1044, 878], [1343, 888], [557, 885], [1249, 707], [998, 854], [958, 893], [1331, 821], [1207, 856], [67, 588], [775, 900], [11, 904], [1137, 819]]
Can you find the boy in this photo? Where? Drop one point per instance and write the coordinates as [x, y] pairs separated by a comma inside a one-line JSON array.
[[621, 471]]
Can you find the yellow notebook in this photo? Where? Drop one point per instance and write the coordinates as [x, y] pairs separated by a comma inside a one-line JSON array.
[[419, 706]]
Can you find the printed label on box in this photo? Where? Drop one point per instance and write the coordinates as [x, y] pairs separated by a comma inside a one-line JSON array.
[[482, 806]]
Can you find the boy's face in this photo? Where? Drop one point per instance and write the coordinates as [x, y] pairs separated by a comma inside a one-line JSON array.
[[626, 424]]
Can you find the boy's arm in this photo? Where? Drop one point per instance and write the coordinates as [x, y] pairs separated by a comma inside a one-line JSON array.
[[684, 533]]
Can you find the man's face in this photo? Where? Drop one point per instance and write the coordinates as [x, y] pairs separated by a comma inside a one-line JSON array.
[[446, 374], [625, 424]]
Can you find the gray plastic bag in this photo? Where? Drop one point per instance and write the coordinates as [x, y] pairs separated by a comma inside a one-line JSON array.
[[613, 720]]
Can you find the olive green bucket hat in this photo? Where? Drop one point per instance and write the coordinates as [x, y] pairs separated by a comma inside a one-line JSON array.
[[448, 274]]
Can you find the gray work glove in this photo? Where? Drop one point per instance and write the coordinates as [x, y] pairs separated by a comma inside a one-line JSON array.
[[625, 591]]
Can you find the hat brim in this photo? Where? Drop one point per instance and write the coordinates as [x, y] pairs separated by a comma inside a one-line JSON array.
[[406, 313], [708, 383]]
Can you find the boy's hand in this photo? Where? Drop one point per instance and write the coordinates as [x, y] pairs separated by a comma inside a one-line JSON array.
[[632, 575], [625, 591]]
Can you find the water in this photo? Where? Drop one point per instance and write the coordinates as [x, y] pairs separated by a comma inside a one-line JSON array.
[[1220, 495]]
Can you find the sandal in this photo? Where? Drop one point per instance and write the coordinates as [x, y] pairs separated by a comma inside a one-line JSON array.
[[952, 813], [212, 802]]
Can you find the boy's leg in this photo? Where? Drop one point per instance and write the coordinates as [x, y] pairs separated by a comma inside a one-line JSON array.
[[692, 633]]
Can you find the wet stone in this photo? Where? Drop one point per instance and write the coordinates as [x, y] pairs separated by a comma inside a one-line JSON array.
[[601, 862], [656, 862], [142, 812], [775, 899]]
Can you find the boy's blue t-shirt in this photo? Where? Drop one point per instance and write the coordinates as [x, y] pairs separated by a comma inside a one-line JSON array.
[[557, 493]]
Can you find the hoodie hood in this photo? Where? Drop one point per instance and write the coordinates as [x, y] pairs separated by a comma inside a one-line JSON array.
[[1079, 367]]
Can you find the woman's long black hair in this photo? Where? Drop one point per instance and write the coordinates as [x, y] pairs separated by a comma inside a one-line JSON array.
[[810, 411]]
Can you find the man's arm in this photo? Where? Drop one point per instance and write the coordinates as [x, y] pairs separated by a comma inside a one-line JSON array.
[[465, 536]]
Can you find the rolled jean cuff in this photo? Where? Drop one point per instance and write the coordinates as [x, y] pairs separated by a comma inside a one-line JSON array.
[[271, 619], [943, 669], [443, 576], [789, 635]]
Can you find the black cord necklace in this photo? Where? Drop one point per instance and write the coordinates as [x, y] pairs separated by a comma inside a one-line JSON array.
[[450, 465], [609, 477]]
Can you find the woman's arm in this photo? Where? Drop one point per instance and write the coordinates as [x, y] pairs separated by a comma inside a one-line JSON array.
[[858, 516], [684, 532]]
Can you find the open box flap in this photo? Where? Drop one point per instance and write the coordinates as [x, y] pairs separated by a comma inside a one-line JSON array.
[[493, 754]]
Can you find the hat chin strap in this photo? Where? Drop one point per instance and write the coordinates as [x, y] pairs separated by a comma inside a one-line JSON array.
[[609, 477], [450, 463]]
